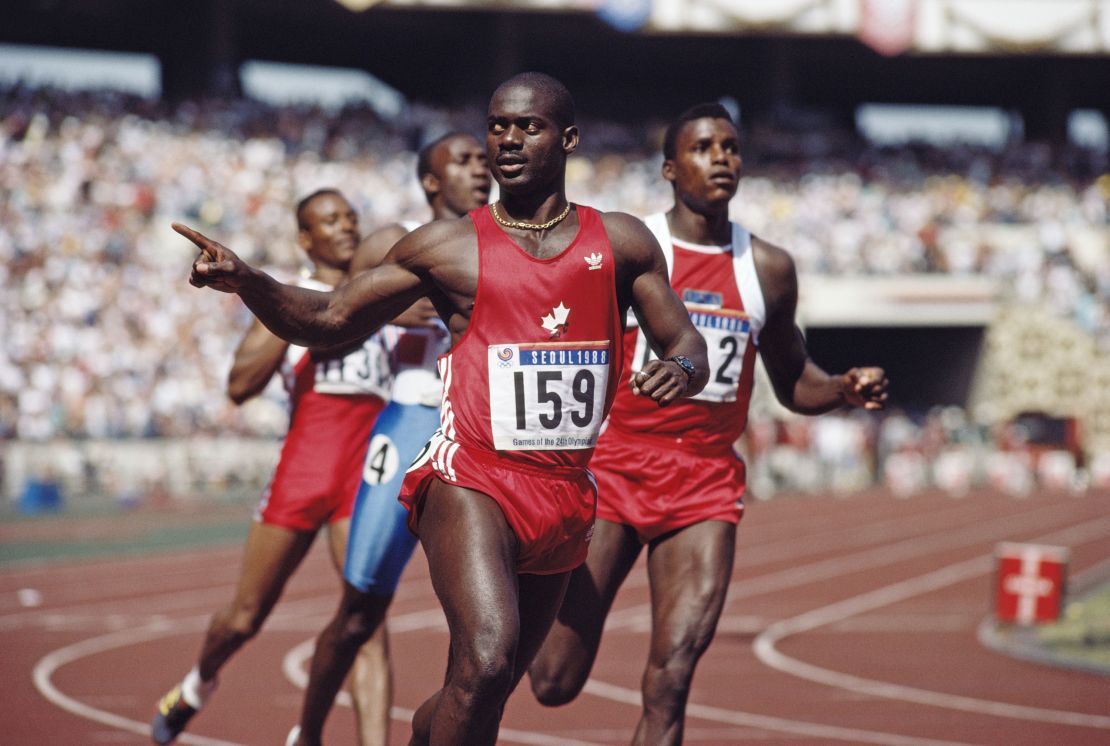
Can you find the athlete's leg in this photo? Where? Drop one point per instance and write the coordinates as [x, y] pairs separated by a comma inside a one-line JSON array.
[[356, 629], [355, 637], [564, 661], [379, 546], [470, 549], [540, 599], [689, 572], [272, 554], [372, 677]]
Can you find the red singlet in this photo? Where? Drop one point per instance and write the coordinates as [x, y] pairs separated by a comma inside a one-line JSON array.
[[659, 469], [526, 389], [333, 406]]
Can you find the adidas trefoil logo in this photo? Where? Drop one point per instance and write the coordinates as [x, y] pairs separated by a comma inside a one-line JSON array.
[[593, 261], [556, 321]]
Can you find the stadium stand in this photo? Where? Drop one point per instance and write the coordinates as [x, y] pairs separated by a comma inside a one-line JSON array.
[[104, 340]]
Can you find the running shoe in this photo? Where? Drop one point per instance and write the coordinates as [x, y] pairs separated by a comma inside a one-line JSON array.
[[172, 716]]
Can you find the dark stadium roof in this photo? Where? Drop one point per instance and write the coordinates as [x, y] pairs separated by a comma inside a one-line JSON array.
[[458, 56]]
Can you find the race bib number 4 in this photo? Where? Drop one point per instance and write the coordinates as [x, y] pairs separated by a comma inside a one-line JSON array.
[[546, 397]]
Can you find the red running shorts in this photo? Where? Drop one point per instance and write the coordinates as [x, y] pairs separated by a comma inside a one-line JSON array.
[[320, 467], [551, 511], [656, 486]]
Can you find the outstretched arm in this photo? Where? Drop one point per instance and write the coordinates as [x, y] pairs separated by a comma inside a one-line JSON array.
[[373, 249], [257, 358], [309, 317], [800, 384], [661, 314], [372, 252]]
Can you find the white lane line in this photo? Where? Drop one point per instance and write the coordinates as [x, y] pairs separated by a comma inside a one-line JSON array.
[[296, 672], [158, 604], [78, 581], [293, 665], [766, 722], [43, 671], [894, 528], [764, 552], [417, 620], [765, 650], [865, 560], [45, 668]]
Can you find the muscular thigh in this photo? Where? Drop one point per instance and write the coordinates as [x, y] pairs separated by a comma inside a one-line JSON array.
[[271, 555], [613, 551], [569, 650], [470, 550]]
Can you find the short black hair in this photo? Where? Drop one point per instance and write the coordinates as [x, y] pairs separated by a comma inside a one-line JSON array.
[[709, 110], [556, 94], [303, 204], [424, 155]]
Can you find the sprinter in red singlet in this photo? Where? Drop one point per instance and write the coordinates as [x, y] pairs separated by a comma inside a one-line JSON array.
[[534, 291], [669, 479], [334, 400]]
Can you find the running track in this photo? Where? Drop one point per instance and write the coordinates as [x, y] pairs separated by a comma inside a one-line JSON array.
[[849, 620]]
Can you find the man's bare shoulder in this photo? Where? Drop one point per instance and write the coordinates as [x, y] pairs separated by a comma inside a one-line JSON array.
[[373, 248], [446, 229], [427, 244], [775, 267], [390, 234], [627, 234], [622, 222]]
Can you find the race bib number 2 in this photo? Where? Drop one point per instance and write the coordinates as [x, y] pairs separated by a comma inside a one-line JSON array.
[[726, 339], [547, 396]]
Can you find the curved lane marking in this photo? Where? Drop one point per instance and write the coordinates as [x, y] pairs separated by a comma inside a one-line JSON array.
[[765, 650], [45, 668], [294, 668], [766, 722], [862, 560]]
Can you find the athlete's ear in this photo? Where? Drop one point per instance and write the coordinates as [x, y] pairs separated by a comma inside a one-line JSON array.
[[570, 139], [429, 182], [668, 170], [304, 240]]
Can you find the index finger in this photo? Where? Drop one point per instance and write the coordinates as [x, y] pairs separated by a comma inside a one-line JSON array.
[[203, 243]]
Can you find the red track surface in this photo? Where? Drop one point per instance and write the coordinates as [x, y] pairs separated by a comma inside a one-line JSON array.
[[850, 620]]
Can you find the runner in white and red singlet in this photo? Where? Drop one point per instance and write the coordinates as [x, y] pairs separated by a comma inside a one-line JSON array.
[[335, 397], [501, 500], [669, 479]]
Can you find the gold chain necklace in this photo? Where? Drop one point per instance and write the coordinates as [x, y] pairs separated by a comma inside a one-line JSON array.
[[529, 226]]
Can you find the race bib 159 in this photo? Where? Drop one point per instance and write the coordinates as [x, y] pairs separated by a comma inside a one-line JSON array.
[[548, 396]]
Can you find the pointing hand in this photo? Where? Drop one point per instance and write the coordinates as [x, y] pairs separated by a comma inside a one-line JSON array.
[[217, 266]]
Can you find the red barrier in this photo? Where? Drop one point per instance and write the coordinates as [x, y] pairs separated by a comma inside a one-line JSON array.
[[1030, 582]]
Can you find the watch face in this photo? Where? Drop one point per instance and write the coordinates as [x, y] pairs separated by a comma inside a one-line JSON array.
[[684, 363]]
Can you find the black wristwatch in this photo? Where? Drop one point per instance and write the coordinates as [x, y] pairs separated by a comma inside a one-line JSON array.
[[684, 363]]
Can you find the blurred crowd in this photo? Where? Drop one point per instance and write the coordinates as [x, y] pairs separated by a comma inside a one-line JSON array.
[[104, 338], [941, 450]]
